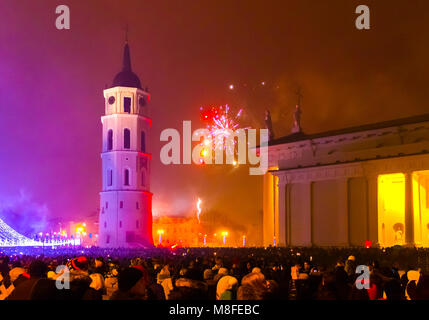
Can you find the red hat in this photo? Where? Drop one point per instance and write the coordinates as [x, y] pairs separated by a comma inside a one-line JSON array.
[[142, 269], [80, 263]]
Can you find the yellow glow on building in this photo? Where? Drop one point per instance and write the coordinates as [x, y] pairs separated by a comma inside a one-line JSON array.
[[421, 207], [391, 209], [270, 207]]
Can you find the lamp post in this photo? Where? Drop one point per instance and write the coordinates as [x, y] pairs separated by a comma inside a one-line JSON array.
[[205, 239], [160, 233]]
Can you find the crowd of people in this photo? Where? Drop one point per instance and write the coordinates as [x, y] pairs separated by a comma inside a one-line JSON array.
[[213, 274]]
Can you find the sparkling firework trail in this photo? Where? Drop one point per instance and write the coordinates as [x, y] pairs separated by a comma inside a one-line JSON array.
[[199, 209]]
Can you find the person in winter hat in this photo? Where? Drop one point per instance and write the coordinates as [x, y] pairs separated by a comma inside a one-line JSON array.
[[131, 285], [226, 288]]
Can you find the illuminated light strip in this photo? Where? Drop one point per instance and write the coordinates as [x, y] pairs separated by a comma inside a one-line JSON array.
[[10, 238]]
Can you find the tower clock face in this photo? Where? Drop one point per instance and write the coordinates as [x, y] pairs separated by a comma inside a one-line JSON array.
[[111, 100], [142, 102]]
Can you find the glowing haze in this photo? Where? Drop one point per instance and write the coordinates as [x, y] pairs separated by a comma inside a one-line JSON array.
[[249, 54]]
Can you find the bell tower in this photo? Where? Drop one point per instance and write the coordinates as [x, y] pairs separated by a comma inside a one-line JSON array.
[[125, 218]]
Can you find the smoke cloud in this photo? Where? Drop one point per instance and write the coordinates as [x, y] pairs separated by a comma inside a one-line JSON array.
[[23, 214]]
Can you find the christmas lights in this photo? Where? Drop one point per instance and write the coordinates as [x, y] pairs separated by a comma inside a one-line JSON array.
[[10, 238]]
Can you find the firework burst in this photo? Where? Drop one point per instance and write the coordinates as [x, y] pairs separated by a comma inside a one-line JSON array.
[[221, 125]]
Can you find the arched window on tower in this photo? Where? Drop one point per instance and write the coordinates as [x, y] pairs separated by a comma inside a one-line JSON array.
[[143, 179], [110, 140], [127, 177], [127, 104], [143, 142], [127, 138]]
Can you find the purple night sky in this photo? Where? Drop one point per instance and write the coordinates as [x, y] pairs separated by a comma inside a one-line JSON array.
[[51, 85]]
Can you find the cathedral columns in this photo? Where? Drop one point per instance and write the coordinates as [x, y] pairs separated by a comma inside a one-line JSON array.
[[269, 219], [282, 221], [373, 227], [343, 199], [305, 202], [409, 217]]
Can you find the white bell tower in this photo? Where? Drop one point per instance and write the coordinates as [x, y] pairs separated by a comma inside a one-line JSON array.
[[125, 218]]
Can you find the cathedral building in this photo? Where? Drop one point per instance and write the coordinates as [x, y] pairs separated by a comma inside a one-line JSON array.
[[365, 185], [125, 218]]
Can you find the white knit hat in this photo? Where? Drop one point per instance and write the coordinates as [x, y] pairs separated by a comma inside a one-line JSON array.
[[256, 270]]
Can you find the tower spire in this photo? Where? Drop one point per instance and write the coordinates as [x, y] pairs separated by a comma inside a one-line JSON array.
[[126, 61], [126, 77]]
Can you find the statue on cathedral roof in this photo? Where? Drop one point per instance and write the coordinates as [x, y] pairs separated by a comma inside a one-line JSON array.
[[269, 125], [297, 114], [297, 120]]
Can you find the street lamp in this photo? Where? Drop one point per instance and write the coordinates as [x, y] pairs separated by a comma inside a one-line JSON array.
[[224, 234], [160, 233], [205, 239]]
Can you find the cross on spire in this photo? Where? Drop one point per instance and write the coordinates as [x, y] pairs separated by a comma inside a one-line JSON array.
[[126, 33]]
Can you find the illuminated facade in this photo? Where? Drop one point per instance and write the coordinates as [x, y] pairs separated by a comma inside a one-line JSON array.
[[125, 218], [181, 231], [345, 187]]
